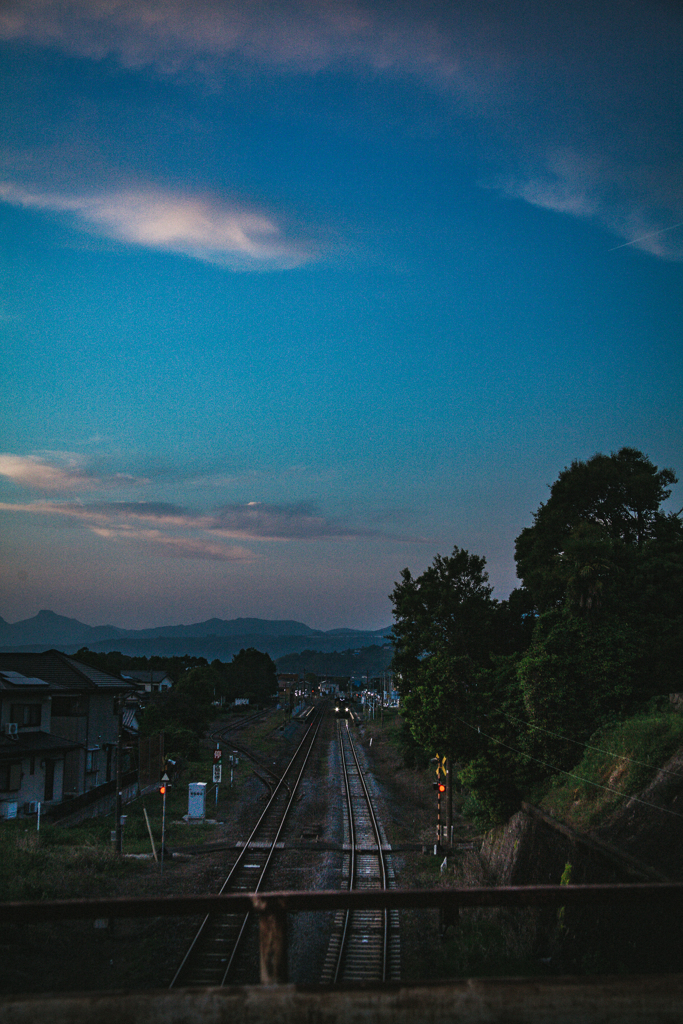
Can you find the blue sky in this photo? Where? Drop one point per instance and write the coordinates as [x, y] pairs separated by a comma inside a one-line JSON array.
[[297, 294]]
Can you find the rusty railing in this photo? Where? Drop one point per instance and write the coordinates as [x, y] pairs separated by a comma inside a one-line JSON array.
[[273, 908]]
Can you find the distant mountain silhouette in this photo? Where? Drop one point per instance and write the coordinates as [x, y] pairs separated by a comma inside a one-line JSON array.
[[51, 630], [213, 638]]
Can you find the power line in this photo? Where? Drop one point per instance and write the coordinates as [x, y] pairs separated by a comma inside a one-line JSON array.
[[589, 746], [589, 782]]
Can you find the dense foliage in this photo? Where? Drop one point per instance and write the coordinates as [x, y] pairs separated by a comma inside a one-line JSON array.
[[185, 710], [368, 661], [507, 689]]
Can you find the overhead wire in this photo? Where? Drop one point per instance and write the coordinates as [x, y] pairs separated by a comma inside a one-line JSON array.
[[571, 775], [589, 746]]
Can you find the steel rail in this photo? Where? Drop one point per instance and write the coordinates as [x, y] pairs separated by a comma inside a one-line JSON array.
[[292, 795], [358, 931], [380, 855], [201, 936], [352, 861]]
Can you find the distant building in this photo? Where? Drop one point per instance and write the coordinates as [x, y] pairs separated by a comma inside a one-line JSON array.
[[149, 681], [58, 729], [288, 680]]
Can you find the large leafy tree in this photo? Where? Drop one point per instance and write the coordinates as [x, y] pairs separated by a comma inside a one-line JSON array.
[[603, 563], [252, 674], [598, 514], [456, 653], [443, 624]]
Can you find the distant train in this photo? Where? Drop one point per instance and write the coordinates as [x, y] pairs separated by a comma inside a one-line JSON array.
[[341, 710]]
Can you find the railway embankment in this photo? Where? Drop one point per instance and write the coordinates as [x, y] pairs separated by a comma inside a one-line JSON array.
[[637, 841]]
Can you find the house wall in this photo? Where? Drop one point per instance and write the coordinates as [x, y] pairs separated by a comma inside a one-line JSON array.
[[103, 729], [33, 784], [10, 700], [75, 728]]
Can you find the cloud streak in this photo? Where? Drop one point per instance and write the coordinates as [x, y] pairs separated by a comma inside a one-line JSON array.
[[612, 195], [252, 521], [282, 522], [39, 474], [158, 543], [207, 35], [206, 228], [549, 70]]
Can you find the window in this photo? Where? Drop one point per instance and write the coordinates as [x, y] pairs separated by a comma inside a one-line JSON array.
[[91, 759], [10, 776], [69, 707], [49, 781], [25, 714]]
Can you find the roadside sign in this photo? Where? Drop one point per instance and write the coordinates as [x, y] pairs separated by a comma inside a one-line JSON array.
[[217, 773], [217, 754]]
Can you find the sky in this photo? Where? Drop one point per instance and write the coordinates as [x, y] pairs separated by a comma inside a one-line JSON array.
[[294, 295]]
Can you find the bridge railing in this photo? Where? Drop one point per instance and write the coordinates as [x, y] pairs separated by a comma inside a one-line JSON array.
[[273, 908]]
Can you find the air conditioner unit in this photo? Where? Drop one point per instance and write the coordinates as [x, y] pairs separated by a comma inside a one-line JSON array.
[[31, 807], [12, 729]]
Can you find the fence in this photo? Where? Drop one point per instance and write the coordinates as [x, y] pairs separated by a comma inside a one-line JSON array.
[[273, 908]]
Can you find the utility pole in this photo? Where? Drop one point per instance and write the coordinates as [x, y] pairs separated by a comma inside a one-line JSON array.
[[449, 802], [119, 776]]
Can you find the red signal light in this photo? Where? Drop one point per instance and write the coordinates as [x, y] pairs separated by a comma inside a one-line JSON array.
[[162, 790], [441, 787]]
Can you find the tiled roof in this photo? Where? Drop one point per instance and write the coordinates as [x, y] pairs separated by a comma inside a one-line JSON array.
[[147, 676], [34, 743], [59, 670]]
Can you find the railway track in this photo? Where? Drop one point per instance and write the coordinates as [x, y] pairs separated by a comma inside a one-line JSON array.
[[365, 944], [213, 955]]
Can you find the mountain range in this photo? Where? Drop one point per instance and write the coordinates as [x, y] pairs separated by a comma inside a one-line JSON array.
[[213, 638]]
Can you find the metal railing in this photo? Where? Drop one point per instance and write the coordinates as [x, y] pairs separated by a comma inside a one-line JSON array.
[[273, 908]]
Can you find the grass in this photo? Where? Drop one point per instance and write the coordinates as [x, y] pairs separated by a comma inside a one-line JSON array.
[[628, 757], [60, 861], [483, 943], [42, 866], [264, 737]]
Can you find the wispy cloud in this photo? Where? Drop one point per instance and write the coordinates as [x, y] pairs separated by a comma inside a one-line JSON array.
[[253, 521], [64, 472], [158, 543], [514, 71], [172, 35], [205, 228], [166, 529], [282, 522], [636, 204]]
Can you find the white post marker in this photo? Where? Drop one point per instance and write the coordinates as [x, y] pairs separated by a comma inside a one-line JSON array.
[[217, 778], [196, 803]]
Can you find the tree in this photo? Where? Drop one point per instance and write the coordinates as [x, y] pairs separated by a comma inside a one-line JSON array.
[[604, 565], [252, 674], [576, 676], [442, 635], [618, 495]]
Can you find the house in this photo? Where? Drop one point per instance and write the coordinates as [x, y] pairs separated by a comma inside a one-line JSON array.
[[59, 724], [149, 681], [288, 680]]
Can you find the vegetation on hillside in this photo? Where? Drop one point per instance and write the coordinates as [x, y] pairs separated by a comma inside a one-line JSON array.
[[367, 661]]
